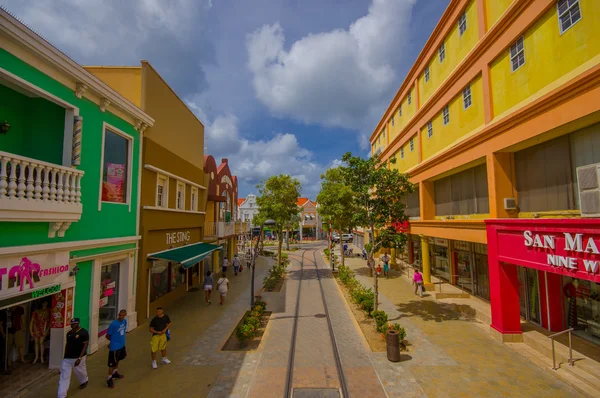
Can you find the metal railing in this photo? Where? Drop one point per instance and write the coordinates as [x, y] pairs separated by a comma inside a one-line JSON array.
[[552, 336]]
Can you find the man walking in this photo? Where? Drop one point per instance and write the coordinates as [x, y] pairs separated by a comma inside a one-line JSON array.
[[386, 264], [116, 336], [236, 264], [159, 326], [225, 264], [75, 354]]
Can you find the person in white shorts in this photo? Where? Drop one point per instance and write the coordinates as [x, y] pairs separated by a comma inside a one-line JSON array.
[[223, 286], [208, 287]]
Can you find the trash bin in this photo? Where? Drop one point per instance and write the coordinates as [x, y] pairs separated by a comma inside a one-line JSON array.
[[392, 342]]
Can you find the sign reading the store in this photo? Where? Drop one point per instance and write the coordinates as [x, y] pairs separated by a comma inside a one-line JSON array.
[[178, 237], [571, 251], [45, 291]]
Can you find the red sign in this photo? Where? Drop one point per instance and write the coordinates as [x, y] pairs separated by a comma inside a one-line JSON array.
[[400, 226], [113, 189], [58, 310]]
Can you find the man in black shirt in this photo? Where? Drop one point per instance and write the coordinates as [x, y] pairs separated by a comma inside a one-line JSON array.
[[75, 353], [159, 327]]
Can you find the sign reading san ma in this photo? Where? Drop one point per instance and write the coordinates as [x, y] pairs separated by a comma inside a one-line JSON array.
[[574, 246]]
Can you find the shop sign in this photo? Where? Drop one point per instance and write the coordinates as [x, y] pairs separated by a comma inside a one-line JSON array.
[[45, 291], [462, 245], [441, 242], [566, 251], [33, 274], [178, 237]]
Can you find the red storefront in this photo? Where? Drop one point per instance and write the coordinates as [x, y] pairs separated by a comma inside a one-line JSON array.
[[546, 271]]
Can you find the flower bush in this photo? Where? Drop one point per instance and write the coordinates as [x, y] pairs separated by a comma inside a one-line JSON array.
[[251, 322], [276, 272], [381, 320]]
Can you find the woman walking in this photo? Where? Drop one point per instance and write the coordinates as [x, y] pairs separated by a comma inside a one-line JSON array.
[[418, 282], [223, 286], [208, 287]]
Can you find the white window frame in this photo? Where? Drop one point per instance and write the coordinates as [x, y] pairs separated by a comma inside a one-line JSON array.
[[426, 73], [462, 23], [402, 153], [412, 144], [383, 135], [442, 52], [567, 11], [409, 98], [515, 51], [446, 115], [194, 199], [466, 93], [129, 138], [165, 194], [392, 121], [400, 110], [180, 205], [429, 129]]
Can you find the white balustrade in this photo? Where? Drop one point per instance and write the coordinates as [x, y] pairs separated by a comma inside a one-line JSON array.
[[33, 185]]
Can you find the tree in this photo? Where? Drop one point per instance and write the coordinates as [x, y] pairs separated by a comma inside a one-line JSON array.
[[290, 225], [378, 198], [336, 201], [277, 201]]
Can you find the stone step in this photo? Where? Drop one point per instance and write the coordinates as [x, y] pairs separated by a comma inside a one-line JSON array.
[[573, 376]]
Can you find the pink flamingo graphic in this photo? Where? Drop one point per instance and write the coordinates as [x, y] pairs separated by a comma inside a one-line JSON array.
[[25, 270]]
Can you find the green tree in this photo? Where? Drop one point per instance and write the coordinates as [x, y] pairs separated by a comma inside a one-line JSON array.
[[290, 225], [277, 201], [336, 202], [378, 197]]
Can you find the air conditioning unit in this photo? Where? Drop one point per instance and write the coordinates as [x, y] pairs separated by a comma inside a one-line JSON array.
[[588, 181], [510, 204]]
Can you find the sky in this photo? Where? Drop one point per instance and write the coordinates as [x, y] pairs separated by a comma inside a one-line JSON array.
[[281, 86]]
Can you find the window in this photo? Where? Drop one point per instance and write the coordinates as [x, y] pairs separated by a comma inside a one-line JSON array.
[[194, 199], [379, 140], [162, 191], [465, 192], [392, 121], [400, 110], [426, 73], [412, 144], [116, 171], [429, 129], [401, 153], [383, 135], [180, 196], [442, 52], [446, 115], [462, 23], [517, 54], [467, 97], [409, 98], [568, 13], [164, 278]]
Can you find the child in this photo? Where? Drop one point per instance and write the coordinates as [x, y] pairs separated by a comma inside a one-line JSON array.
[[378, 269]]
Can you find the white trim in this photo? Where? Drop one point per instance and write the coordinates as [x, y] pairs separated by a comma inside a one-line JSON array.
[[165, 195], [180, 204], [75, 260], [194, 199], [34, 43], [130, 143], [80, 245], [518, 52], [161, 171], [67, 153], [173, 210], [138, 202], [558, 14]]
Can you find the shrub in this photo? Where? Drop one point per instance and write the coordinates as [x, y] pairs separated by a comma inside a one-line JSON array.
[[327, 252], [245, 332], [381, 320], [394, 326]]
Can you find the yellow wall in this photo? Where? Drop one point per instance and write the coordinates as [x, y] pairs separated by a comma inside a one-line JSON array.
[[408, 112], [126, 80], [461, 123], [494, 10], [410, 158], [456, 48], [548, 56]]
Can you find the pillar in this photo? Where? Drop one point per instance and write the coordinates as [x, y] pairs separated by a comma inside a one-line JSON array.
[[427, 200], [411, 247], [393, 255], [500, 168], [555, 302], [426, 264]]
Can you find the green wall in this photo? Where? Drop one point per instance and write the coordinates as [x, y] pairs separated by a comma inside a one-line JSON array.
[[114, 220], [83, 289]]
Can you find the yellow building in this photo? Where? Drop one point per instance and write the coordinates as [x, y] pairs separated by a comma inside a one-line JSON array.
[[493, 123]]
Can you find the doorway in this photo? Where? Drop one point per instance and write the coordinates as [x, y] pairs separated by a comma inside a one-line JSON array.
[[529, 295]]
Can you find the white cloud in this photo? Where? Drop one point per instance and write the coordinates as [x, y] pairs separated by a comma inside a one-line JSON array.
[[338, 78]]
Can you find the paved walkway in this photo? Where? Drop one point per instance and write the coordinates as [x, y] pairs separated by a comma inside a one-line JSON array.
[[197, 365], [451, 354]]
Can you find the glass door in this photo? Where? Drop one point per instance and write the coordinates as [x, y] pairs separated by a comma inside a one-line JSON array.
[[529, 294], [109, 296]]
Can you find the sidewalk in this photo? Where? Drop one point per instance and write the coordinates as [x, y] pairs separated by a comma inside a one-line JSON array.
[[193, 324], [450, 352]]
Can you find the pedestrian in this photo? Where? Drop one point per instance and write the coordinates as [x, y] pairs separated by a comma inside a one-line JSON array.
[[378, 269], [223, 286], [418, 282], [116, 349], [75, 357], [236, 264], [386, 264], [208, 287], [225, 264], [159, 327]]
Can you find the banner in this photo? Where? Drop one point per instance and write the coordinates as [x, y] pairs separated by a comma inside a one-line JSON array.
[[113, 189]]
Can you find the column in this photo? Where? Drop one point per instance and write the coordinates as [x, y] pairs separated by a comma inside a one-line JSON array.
[[411, 247], [393, 255], [426, 265], [427, 200], [554, 303], [500, 168]]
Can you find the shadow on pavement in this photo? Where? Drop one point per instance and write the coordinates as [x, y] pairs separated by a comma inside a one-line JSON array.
[[436, 311]]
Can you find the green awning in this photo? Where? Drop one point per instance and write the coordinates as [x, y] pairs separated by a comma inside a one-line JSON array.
[[187, 255]]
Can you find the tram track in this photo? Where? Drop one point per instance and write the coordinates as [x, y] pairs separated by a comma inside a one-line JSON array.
[[289, 387]]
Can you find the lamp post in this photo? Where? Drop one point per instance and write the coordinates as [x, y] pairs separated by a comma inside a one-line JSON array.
[[254, 255]]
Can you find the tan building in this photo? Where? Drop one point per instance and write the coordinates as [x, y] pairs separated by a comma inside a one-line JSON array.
[[173, 192]]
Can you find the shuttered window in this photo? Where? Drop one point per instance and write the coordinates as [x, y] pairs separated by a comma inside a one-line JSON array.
[[462, 193], [412, 203]]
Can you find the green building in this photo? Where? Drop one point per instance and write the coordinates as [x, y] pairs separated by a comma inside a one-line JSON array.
[[69, 191]]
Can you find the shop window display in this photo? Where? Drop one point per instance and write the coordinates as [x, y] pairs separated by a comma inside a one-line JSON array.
[[582, 307], [439, 261], [109, 296], [164, 278]]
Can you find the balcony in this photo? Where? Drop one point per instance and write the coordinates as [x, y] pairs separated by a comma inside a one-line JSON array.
[[225, 229], [33, 190], [242, 227], [210, 230]]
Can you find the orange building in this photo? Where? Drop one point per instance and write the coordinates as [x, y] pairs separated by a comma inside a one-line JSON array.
[[499, 119]]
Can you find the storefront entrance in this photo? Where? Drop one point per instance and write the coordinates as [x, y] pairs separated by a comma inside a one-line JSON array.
[[582, 307], [529, 294], [109, 296]]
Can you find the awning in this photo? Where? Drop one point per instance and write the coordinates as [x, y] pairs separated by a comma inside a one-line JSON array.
[[187, 255]]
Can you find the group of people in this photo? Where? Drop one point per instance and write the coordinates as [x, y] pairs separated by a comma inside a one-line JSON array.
[[417, 279], [222, 282], [74, 360]]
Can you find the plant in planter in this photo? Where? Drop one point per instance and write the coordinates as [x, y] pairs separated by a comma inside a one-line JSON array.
[[381, 320], [244, 333]]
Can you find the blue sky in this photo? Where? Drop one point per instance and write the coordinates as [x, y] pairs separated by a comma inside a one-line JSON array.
[[282, 86]]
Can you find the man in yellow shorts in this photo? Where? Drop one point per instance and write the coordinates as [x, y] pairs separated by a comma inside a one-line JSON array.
[[159, 327]]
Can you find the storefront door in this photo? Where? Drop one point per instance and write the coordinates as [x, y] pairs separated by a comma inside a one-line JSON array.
[[109, 296], [481, 276], [529, 294]]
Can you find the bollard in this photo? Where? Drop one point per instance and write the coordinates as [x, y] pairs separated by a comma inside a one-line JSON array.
[[392, 342]]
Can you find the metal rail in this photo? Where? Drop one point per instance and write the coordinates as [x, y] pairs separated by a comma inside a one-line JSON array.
[[336, 354], [552, 336]]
